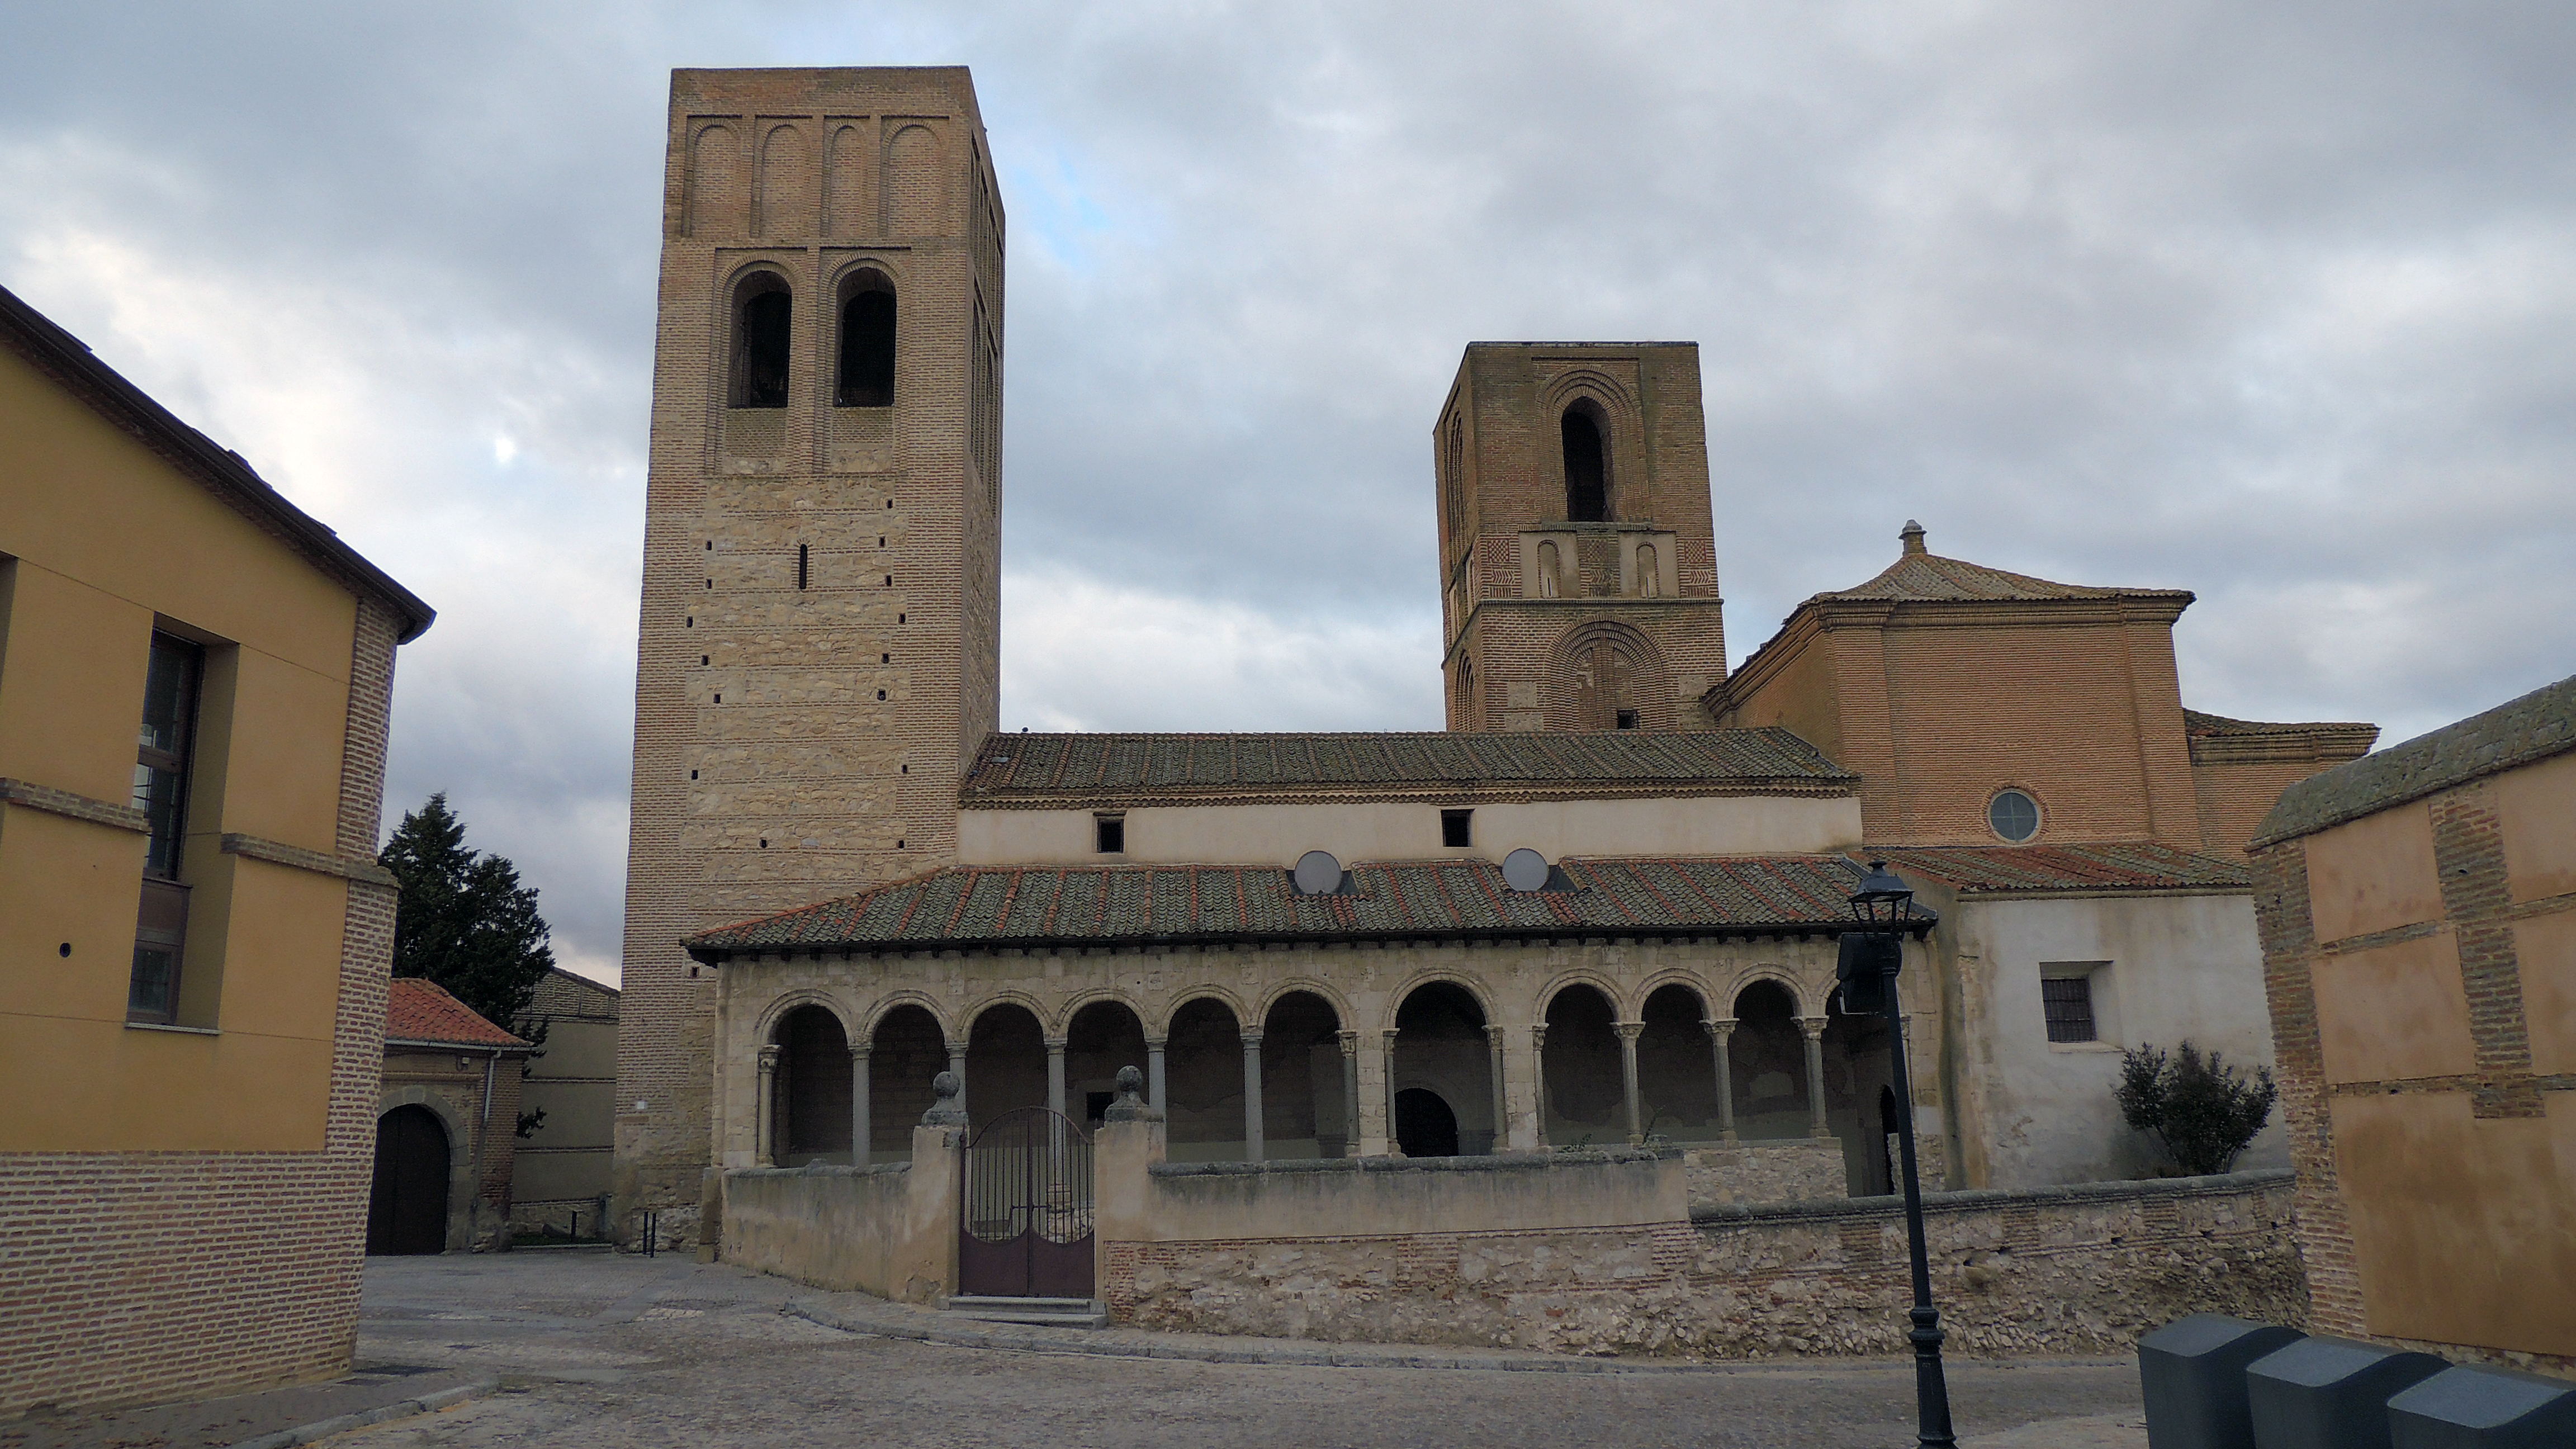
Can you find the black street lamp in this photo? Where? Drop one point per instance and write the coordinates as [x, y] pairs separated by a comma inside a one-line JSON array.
[[1871, 957]]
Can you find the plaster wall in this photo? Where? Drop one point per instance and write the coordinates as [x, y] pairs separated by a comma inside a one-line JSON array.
[[2164, 967], [1382, 830], [888, 1230]]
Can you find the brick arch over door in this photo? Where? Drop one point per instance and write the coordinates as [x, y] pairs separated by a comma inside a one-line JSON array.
[[1598, 669]]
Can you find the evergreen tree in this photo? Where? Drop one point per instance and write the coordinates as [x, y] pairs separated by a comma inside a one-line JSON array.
[[463, 920], [2204, 1111]]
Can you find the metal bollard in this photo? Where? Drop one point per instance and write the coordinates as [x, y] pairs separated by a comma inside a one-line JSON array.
[[2330, 1393], [2192, 1372], [2467, 1407]]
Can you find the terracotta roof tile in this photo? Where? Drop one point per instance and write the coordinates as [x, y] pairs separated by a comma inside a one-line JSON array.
[[1142, 904], [1026, 769], [2116, 866], [419, 1009], [2200, 722]]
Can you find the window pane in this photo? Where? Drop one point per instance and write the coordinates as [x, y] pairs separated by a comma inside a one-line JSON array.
[[155, 974], [2014, 815]]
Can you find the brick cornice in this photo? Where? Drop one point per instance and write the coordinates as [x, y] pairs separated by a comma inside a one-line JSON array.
[[76, 807], [347, 867]]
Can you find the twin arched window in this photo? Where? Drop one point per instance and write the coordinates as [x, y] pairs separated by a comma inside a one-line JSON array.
[[764, 316], [1587, 464]]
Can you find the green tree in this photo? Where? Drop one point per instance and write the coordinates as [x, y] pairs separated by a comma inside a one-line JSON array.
[[462, 919], [2203, 1110]]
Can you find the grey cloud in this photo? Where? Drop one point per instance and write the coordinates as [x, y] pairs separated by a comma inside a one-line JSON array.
[[2268, 303]]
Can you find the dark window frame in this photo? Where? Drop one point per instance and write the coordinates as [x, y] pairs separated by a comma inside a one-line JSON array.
[[1996, 804], [762, 364], [1457, 828], [870, 322], [2067, 1004], [1109, 832], [165, 747]]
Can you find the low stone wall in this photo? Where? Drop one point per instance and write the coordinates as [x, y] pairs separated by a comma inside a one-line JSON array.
[[888, 1230], [1797, 1169], [2064, 1270]]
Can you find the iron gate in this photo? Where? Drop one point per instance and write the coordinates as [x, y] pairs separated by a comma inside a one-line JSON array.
[[1025, 1228]]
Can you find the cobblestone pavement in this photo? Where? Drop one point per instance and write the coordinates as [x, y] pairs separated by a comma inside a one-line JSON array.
[[594, 1350]]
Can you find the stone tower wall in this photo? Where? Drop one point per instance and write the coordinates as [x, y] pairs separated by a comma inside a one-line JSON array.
[[1558, 625], [820, 628]]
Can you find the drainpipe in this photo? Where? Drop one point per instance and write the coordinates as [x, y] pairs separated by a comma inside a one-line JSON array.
[[482, 1135]]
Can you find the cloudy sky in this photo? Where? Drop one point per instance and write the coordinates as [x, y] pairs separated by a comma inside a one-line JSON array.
[[2275, 303]]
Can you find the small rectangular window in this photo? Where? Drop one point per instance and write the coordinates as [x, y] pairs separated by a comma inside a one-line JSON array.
[[1455, 829], [2069, 1004], [170, 686], [1627, 719], [1109, 834]]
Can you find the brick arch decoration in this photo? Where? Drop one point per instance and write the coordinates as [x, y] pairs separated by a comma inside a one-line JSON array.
[[712, 205], [1601, 666], [460, 1157]]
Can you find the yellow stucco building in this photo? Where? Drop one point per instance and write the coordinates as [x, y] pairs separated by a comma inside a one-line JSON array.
[[194, 933]]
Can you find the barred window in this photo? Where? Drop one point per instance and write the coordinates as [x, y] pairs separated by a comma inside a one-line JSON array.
[[2068, 1001]]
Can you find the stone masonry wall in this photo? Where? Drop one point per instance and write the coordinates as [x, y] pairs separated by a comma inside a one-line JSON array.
[[2068, 1270], [1799, 1170]]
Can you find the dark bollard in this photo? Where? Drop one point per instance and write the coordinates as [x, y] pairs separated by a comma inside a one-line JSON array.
[[2192, 1372], [2330, 1393], [2484, 1408]]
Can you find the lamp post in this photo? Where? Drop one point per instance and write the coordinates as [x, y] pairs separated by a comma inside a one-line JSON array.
[[1871, 958]]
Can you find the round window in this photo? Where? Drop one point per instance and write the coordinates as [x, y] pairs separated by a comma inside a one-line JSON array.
[[2014, 815]]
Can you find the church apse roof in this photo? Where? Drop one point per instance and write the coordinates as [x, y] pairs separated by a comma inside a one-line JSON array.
[[1041, 907], [1036, 771], [1921, 577]]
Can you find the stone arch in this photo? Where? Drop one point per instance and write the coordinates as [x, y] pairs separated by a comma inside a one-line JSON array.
[[1102, 1032], [1605, 675], [1200, 992], [894, 1001], [1688, 980], [1306, 1097], [1579, 976], [1332, 997], [909, 1043], [1203, 1076], [1676, 1065], [1430, 975], [775, 1011], [1767, 1054], [916, 185], [460, 1156], [810, 1084], [786, 197], [713, 200], [1751, 976], [1583, 1093], [1006, 1059], [1443, 1047], [1049, 1023]]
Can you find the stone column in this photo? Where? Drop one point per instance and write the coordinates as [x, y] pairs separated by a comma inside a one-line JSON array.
[[1386, 1071], [1718, 1031], [957, 1064], [1154, 1071], [1502, 1114], [1629, 1031], [1350, 1041], [1251, 1095], [862, 1134], [1538, 1079], [765, 1115], [1055, 1074], [1813, 1029]]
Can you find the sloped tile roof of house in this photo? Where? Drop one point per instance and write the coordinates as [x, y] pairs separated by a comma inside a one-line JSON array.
[[2110, 866], [2537, 726], [1063, 769], [419, 1009], [964, 907]]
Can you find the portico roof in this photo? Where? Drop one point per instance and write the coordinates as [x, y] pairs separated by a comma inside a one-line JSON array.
[[983, 907], [2079, 869]]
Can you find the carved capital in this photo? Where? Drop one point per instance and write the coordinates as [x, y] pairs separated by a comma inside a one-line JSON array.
[[1251, 1040], [1812, 1027], [1720, 1028], [1350, 1041], [1055, 1045], [1629, 1031], [768, 1060]]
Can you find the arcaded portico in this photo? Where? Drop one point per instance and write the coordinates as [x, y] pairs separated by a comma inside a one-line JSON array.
[[1686, 1001]]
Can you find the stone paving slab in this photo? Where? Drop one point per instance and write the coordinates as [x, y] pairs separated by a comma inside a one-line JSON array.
[[269, 1419]]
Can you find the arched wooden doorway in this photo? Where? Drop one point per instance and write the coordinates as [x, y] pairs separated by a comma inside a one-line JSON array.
[[407, 1207]]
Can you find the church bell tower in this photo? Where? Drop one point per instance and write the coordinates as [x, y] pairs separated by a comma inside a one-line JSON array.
[[820, 631], [1578, 560]]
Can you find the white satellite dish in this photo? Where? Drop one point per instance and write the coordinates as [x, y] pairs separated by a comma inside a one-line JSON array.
[[1525, 870], [1318, 874]]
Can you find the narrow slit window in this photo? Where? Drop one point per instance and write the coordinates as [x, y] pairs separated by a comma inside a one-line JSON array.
[[803, 558], [1456, 828], [1109, 834], [2068, 1000], [161, 792], [1587, 466]]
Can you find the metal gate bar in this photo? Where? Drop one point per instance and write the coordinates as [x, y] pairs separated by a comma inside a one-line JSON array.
[[1024, 1227]]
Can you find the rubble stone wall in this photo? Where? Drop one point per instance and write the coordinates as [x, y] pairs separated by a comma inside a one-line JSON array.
[[2082, 1269]]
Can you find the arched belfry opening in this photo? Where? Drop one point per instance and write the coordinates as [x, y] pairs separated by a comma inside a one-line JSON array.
[[763, 313], [1587, 463], [867, 343]]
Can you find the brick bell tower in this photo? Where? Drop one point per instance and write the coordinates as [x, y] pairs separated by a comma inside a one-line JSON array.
[[821, 610], [1578, 563]]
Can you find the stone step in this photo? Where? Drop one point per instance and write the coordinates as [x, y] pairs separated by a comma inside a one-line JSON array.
[[1041, 1312]]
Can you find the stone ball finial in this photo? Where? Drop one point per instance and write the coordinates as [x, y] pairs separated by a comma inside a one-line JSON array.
[[1912, 537], [1131, 1105], [944, 1111]]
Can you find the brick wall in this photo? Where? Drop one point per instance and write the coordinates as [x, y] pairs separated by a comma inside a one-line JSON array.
[[141, 1276], [793, 744]]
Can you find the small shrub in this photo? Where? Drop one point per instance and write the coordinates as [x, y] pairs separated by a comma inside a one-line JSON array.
[[2203, 1110]]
